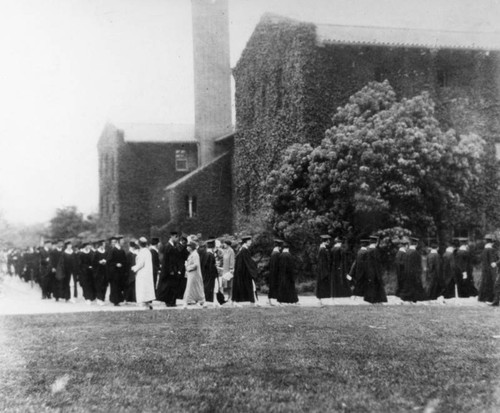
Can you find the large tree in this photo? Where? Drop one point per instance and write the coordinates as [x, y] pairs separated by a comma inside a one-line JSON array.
[[68, 223], [383, 164]]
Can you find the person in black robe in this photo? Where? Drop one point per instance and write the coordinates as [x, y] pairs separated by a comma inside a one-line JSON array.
[[117, 265], [287, 292], [324, 269], [100, 271], [488, 256], [374, 288], [182, 254], [54, 257], [68, 267], [464, 277], [45, 270], [86, 276], [274, 279], [339, 286], [170, 279], [412, 289], [434, 273], [359, 269], [245, 271], [209, 272], [155, 256], [496, 286], [399, 262], [449, 271], [129, 291]]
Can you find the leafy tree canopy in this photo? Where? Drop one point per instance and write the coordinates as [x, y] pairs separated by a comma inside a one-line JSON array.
[[383, 164]]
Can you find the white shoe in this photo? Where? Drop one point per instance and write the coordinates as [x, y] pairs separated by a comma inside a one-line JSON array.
[[72, 301], [88, 302], [100, 302]]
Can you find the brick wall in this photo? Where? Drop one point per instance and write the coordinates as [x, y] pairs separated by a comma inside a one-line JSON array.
[[211, 186]]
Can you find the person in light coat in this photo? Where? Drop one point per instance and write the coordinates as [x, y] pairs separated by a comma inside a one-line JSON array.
[[144, 284], [195, 292]]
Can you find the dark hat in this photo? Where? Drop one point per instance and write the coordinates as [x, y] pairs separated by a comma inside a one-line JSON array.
[[115, 237], [463, 240], [84, 244], [489, 237], [68, 241], [174, 233], [373, 238], [286, 244], [278, 242], [364, 241], [211, 243], [99, 241], [325, 237], [47, 241], [155, 241], [414, 240], [133, 244], [245, 238], [227, 241], [192, 245]]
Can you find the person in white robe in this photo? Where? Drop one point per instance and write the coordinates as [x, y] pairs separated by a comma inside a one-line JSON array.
[[144, 284]]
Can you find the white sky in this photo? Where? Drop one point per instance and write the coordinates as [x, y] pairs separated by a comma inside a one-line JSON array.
[[68, 66]]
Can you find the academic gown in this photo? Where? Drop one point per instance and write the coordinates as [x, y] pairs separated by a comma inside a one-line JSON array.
[[286, 291], [245, 271], [209, 274], [129, 291], [117, 265], [449, 273], [434, 276], [182, 256], [412, 289], [323, 273], [374, 290], [100, 274], [155, 256], [359, 272], [486, 288], [69, 267], [339, 284], [274, 274], [399, 262], [87, 275], [170, 277], [466, 286], [45, 273]]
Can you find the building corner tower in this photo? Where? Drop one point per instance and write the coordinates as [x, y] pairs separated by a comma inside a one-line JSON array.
[[212, 74]]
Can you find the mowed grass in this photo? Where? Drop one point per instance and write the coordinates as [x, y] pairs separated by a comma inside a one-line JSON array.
[[352, 359]]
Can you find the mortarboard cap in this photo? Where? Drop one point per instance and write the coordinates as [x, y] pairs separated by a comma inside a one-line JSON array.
[[278, 241], [84, 244], [364, 241], [325, 237], [489, 237], [47, 241], [174, 233], [245, 238], [155, 241], [210, 243]]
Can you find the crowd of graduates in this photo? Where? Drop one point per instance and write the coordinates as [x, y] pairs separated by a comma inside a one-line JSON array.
[[447, 275], [200, 271], [186, 267]]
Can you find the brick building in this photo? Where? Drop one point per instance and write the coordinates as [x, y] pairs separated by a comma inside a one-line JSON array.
[[293, 75], [155, 178]]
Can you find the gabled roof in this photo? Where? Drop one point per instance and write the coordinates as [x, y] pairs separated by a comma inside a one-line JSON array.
[[398, 37], [157, 132]]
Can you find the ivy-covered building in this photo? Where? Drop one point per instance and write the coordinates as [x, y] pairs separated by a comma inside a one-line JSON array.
[[293, 75]]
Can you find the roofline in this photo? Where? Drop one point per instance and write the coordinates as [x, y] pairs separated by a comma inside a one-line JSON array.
[[196, 171], [224, 137]]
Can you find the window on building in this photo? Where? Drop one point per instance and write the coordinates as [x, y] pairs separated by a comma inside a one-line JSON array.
[[181, 160], [191, 206]]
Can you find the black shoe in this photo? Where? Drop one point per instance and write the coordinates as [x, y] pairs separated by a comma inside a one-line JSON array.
[[495, 304]]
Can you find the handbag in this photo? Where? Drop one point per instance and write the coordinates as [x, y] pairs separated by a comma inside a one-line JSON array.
[[220, 295]]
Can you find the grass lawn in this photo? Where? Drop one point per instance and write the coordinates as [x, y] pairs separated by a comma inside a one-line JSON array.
[[353, 359]]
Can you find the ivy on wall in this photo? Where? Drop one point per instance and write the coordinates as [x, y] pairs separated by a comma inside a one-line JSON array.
[[288, 86]]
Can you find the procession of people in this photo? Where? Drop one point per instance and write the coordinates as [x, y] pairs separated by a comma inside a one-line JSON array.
[[210, 272]]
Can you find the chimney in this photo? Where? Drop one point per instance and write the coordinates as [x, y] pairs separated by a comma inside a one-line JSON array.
[[212, 74]]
